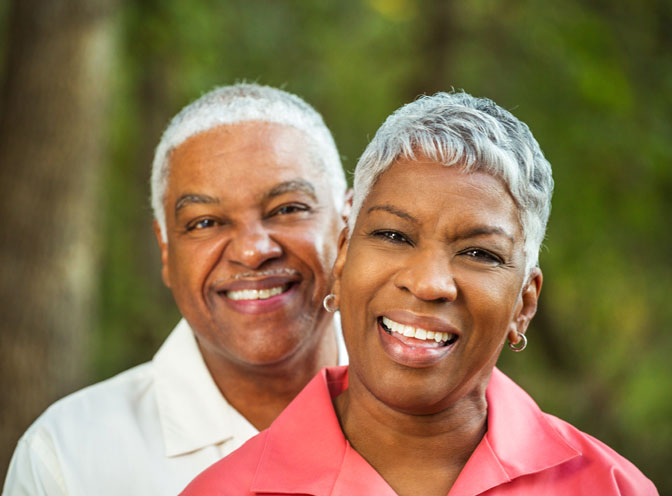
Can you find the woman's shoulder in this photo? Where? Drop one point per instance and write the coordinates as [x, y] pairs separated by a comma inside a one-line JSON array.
[[233, 474], [540, 449], [601, 460]]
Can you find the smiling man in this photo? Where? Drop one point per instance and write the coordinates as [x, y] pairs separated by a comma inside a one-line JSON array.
[[248, 196]]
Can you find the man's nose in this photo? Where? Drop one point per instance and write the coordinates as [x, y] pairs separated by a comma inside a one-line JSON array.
[[252, 246], [428, 276]]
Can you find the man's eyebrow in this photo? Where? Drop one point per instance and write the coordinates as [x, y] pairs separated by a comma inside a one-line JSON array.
[[191, 198], [290, 186], [394, 211]]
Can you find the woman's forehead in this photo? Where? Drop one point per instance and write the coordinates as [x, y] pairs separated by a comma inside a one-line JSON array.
[[423, 190]]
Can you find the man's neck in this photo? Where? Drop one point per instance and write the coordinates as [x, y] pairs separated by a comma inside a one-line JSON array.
[[261, 392]]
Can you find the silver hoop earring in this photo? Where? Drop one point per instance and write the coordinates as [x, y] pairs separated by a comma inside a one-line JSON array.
[[329, 303], [519, 347]]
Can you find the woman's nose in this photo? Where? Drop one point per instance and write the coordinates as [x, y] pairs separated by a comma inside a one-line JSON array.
[[252, 246], [428, 276]]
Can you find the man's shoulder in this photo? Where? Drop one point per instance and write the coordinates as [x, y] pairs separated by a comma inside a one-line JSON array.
[[98, 404], [83, 429]]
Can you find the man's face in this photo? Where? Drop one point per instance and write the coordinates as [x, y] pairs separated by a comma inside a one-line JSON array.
[[251, 238]]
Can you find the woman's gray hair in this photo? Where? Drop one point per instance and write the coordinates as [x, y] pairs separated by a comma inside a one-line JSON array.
[[475, 134], [242, 103]]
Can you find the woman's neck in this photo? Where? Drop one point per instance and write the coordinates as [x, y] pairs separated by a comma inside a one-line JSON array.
[[415, 454]]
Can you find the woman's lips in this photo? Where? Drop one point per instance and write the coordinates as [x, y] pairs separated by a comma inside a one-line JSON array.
[[418, 333], [414, 345]]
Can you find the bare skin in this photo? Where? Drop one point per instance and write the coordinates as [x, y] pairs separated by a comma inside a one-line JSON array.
[[437, 250], [251, 236], [260, 393], [399, 445]]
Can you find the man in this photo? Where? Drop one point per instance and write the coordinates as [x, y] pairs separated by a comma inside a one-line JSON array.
[[248, 196]]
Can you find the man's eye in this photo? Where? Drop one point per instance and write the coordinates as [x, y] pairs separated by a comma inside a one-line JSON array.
[[392, 236], [481, 255], [289, 209], [201, 224]]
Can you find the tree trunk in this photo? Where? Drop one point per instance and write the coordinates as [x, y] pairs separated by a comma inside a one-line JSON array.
[[51, 158], [435, 37]]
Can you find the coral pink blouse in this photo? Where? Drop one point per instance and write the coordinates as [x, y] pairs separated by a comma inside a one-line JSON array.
[[524, 451]]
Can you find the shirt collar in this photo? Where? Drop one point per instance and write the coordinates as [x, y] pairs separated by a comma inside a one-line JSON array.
[[520, 440], [192, 411], [299, 457]]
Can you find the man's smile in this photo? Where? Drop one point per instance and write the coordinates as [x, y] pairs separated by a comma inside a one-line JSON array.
[[255, 294], [259, 291]]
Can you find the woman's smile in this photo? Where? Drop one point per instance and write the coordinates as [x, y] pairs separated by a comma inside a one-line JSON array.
[[434, 270], [419, 342], [414, 334]]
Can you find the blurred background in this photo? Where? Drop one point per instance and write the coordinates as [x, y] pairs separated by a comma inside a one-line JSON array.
[[89, 85]]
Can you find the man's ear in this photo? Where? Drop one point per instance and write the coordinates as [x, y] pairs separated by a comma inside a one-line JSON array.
[[163, 247], [526, 306], [337, 270], [347, 205]]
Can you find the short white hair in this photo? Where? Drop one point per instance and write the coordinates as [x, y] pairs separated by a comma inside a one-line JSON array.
[[475, 134], [246, 102]]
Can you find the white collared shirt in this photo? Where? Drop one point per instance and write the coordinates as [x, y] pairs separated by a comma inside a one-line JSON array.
[[149, 430]]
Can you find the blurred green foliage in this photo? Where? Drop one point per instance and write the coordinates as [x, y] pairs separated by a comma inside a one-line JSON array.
[[593, 81]]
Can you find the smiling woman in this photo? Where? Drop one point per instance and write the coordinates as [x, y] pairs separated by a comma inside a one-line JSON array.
[[437, 271], [445, 256]]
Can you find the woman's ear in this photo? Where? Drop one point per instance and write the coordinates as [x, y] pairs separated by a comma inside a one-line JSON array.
[[337, 270], [526, 306]]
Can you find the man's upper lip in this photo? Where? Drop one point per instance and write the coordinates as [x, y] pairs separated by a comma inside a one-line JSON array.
[[426, 322], [256, 282]]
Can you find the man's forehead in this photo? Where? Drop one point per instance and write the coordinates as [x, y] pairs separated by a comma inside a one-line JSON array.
[[252, 160], [244, 136], [248, 147]]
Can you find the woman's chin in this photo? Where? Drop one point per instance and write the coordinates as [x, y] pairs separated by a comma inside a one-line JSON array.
[[412, 400]]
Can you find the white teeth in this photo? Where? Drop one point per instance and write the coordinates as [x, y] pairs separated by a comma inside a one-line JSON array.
[[254, 294], [416, 332]]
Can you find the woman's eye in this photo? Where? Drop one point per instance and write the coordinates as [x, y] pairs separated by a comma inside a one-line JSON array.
[[201, 224], [482, 255], [392, 236], [290, 209]]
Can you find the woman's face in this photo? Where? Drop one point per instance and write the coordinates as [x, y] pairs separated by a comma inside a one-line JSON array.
[[430, 284]]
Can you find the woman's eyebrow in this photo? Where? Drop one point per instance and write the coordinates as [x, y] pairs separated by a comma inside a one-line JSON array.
[[289, 186], [394, 211], [483, 231]]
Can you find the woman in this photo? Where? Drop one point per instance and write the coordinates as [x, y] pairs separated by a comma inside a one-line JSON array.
[[437, 271]]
